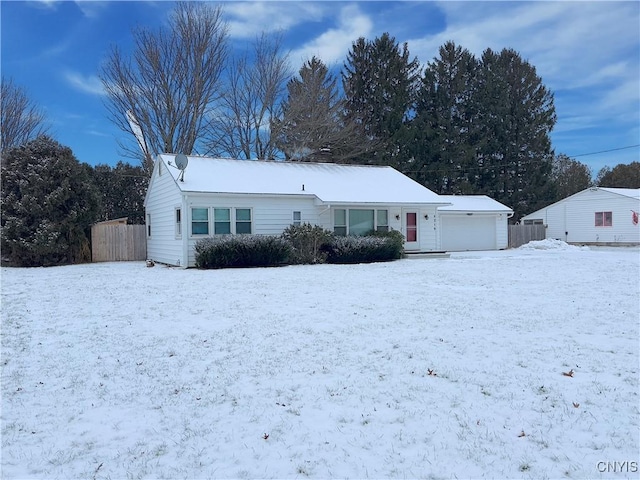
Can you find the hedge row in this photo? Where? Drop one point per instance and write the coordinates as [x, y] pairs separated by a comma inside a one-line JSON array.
[[303, 244]]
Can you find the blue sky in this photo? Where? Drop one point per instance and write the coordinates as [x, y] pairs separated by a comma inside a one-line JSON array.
[[587, 53]]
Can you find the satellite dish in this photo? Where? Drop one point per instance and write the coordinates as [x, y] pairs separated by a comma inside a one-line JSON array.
[[181, 161]]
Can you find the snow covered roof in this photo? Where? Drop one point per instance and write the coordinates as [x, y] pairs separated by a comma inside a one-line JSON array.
[[633, 193], [331, 183], [627, 192], [472, 203]]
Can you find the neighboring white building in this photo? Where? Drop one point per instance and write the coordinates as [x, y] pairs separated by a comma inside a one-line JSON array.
[[221, 196], [597, 215], [473, 222]]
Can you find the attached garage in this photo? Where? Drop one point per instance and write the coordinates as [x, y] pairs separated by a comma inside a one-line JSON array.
[[473, 222]]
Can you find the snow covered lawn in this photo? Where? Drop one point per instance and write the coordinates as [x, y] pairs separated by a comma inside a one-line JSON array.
[[515, 364]]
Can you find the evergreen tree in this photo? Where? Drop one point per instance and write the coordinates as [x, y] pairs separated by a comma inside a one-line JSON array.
[[312, 127], [516, 113], [445, 130], [48, 205], [122, 190], [380, 82], [621, 176]]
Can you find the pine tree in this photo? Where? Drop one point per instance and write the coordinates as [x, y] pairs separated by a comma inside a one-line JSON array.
[[380, 82], [312, 126], [516, 115], [445, 123], [122, 190], [48, 205]]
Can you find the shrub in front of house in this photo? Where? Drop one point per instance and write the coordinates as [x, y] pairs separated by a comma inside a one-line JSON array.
[[307, 243], [378, 247], [242, 251]]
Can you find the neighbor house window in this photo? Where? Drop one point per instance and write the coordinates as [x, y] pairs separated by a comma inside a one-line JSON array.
[[221, 221], [243, 220], [178, 222], [604, 219], [200, 221], [340, 222], [360, 222], [536, 221], [297, 218], [148, 224], [383, 220]]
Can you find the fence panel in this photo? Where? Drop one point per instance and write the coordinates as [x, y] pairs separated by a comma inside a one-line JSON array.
[[521, 234], [118, 243]]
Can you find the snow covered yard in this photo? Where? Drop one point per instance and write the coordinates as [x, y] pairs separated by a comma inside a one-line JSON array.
[[515, 364]]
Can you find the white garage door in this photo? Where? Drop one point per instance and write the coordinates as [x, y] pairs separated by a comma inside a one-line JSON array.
[[468, 232]]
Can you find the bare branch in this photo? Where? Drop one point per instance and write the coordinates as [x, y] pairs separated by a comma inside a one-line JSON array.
[[171, 81], [22, 120], [256, 84]]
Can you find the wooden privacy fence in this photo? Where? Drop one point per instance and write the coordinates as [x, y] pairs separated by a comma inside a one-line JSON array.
[[118, 242], [521, 234]]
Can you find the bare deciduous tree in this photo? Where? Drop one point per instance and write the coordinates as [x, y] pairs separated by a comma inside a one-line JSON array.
[[170, 83], [313, 126], [22, 120], [256, 84]]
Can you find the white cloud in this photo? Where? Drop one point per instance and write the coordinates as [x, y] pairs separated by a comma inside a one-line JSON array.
[[587, 53], [333, 45], [249, 19], [91, 9], [89, 84]]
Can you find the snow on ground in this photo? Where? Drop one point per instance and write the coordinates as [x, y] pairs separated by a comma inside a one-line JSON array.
[[419, 368]]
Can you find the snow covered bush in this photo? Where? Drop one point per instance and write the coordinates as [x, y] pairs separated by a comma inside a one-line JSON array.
[[307, 242], [379, 247], [242, 251], [48, 205]]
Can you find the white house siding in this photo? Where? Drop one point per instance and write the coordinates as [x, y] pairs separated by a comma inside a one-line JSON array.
[[163, 245], [573, 219], [270, 215]]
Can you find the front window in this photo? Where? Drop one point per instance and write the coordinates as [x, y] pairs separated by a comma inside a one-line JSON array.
[[360, 222], [297, 218], [200, 221], [383, 220], [243, 220], [604, 219], [340, 222], [178, 222], [221, 221]]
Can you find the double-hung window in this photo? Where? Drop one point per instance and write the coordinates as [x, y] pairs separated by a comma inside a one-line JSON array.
[[604, 219], [243, 220], [340, 222], [199, 221], [297, 218], [178, 222], [382, 221], [221, 221]]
